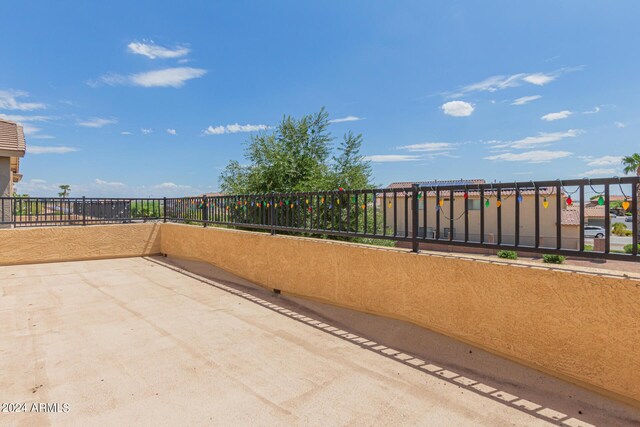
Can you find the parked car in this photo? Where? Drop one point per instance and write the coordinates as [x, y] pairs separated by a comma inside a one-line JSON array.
[[628, 219], [594, 231]]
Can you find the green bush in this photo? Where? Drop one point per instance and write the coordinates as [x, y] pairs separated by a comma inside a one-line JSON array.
[[553, 259], [620, 229], [629, 248], [508, 254]]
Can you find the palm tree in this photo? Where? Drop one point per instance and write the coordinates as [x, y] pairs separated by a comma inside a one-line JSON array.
[[66, 189], [632, 164]]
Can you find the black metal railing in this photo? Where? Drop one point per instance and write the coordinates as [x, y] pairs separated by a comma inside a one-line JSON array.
[[49, 211], [570, 217]]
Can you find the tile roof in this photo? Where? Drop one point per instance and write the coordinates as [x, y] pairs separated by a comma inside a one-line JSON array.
[[589, 211], [12, 137], [570, 217], [437, 182]]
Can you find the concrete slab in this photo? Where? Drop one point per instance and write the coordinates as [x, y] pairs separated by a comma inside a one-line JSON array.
[[131, 342]]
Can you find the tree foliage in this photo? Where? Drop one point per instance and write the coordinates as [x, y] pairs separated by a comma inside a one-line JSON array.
[[632, 163], [298, 155], [66, 189]]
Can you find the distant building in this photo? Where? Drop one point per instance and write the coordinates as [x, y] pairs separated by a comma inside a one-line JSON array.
[[569, 224], [12, 147]]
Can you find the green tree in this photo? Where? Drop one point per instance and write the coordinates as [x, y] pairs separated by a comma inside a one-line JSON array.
[[350, 169], [66, 189], [297, 156], [632, 164]]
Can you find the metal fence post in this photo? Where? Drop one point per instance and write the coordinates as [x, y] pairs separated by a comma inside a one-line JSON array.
[[164, 209], [205, 216], [273, 216], [414, 218], [84, 210]]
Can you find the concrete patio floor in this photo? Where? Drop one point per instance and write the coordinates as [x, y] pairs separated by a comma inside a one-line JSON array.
[[134, 342]]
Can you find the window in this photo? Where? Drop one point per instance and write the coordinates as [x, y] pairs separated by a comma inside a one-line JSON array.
[[474, 204]]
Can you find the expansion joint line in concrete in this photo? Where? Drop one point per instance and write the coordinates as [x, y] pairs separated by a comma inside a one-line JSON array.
[[423, 366]]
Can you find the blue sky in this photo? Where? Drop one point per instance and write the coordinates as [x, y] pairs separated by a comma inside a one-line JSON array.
[[150, 98]]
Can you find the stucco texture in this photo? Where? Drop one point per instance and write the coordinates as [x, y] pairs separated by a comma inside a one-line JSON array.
[[55, 244], [581, 327]]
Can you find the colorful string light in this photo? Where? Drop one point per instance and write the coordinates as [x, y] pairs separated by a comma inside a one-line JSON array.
[[545, 203]]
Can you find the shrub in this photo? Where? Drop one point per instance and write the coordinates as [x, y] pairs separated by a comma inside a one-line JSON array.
[[620, 229], [508, 254], [553, 259], [629, 248]]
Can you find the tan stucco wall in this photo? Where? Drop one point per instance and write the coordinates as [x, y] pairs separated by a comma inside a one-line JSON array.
[[576, 326], [53, 244]]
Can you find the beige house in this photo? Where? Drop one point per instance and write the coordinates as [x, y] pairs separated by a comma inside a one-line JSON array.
[[570, 222], [12, 147]]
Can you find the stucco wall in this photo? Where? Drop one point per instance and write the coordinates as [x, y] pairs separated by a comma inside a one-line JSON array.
[[53, 244], [577, 326]]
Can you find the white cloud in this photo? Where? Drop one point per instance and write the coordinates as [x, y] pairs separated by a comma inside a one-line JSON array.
[[9, 100], [23, 119], [218, 130], [525, 100], [501, 82], [171, 131], [457, 108], [233, 128], [146, 131], [620, 125], [125, 133], [169, 77], [29, 130], [99, 181], [557, 116], [539, 79], [530, 156], [603, 161], [96, 122], [429, 147], [33, 132], [594, 111], [600, 172], [153, 51], [36, 149], [543, 138], [104, 188], [388, 158], [346, 119]]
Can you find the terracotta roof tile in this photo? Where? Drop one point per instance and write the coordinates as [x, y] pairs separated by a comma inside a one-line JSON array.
[[12, 137], [570, 217], [437, 182]]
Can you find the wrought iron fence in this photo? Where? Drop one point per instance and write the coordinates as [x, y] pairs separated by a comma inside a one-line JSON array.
[[48, 211], [571, 217]]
